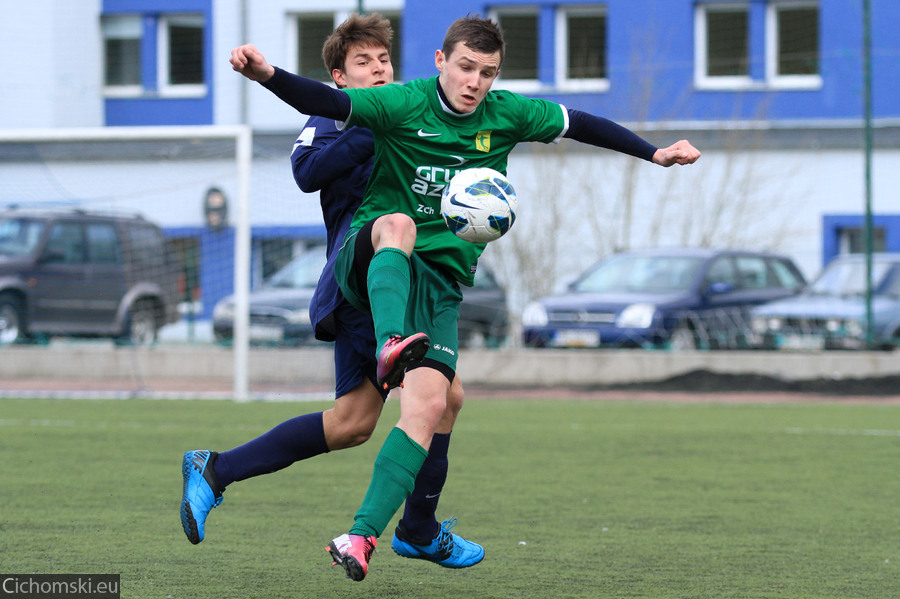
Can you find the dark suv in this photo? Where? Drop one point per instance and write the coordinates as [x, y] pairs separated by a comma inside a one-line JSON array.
[[75, 273]]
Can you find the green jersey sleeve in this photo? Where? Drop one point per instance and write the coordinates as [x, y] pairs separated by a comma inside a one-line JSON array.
[[538, 120], [381, 108]]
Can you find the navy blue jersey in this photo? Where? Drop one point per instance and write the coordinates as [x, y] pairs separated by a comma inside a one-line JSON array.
[[337, 164]]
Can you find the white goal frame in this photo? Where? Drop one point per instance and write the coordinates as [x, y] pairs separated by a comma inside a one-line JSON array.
[[243, 138]]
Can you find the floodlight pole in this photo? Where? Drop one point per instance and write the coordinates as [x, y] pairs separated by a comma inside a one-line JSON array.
[[867, 101]]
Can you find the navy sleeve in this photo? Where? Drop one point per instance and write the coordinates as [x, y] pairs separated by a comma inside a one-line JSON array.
[[323, 154], [309, 96], [603, 133]]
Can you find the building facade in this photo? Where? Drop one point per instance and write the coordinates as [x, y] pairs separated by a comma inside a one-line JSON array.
[[772, 91]]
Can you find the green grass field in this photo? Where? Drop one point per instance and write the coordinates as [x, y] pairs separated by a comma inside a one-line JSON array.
[[570, 499]]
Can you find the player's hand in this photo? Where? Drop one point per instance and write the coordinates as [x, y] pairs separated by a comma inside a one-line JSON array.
[[681, 152], [249, 62]]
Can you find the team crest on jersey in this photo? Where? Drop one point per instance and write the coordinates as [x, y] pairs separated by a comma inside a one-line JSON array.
[[483, 141]]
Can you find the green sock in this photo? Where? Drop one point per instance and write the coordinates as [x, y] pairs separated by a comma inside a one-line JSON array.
[[388, 284], [393, 479]]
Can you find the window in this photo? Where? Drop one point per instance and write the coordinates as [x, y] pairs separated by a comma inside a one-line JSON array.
[[396, 45], [122, 53], [103, 243], [785, 53], [520, 30], [581, 48], [785, 276], [792, 54], [181, 55], [65, 244], [178, 48], [147, 253], [312, 30], [722, 271], [723, 49], [752, 272], [853, 240]]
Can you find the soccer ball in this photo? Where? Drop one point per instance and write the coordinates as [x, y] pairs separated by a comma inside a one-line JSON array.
[[479, 205]]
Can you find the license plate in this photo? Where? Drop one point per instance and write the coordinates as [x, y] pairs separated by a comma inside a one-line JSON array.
[[802, 342], [261, 333], [576, 338]]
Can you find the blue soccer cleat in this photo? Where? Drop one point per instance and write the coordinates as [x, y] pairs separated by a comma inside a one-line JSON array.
[[447, 549], [200, 494]]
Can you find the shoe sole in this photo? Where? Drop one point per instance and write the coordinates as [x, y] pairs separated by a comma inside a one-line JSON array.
[[414, 352], [188, 523], [351, 565]]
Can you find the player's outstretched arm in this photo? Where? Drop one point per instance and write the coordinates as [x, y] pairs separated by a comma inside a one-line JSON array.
[[681, 152], [305, 95], [250, 62]]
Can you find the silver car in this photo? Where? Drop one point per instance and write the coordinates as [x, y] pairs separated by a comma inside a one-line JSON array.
[[831, 312]]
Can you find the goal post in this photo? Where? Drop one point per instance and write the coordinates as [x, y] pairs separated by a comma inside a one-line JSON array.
[[151, 171]]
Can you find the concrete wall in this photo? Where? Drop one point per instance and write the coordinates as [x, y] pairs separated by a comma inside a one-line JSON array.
[[193, 366]]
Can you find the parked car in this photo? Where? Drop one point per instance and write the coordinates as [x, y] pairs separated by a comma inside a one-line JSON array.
[[279, 309], [77, 273], [831, 312], [662, 298]]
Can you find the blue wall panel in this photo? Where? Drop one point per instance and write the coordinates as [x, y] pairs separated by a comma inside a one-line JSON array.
[[652, 41]]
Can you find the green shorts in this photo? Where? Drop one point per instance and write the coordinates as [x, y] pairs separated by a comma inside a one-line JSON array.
[[433, 306]]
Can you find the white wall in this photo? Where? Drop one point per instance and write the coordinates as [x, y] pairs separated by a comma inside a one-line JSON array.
[[51, 76], [782, 211]]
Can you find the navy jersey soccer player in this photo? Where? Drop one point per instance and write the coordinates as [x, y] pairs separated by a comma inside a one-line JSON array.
[[338, 165]]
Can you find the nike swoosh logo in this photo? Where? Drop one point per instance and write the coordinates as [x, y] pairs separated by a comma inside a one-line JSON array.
[[422, 133], [432, 496], [456, 202]]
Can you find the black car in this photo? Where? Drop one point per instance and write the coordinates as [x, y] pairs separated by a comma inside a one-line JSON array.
[[662, 298], [279, 309], [77, 273]]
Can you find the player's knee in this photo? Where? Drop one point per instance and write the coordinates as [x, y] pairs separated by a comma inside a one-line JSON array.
[[394, 230], [350, 436], [350, 430], [455, 398], [357, 437]]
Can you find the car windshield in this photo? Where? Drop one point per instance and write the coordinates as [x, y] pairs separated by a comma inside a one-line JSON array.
[[647, 274], [19, 236], [849, 277], [302, 271]]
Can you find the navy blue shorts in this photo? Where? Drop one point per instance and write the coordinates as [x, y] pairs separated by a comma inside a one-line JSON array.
[[354, 350]]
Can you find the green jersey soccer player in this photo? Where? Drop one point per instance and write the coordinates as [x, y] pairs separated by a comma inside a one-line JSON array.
[[399, 260], [425, 144]]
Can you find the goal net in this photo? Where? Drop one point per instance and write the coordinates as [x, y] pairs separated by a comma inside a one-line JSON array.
[[194, 183]]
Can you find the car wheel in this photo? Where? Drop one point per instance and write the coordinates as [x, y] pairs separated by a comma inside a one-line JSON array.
[[141, 324], [682, 339], [12, 319], [892, 344]]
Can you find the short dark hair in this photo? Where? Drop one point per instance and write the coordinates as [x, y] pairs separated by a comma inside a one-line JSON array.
[[479, 34], [358, 30]]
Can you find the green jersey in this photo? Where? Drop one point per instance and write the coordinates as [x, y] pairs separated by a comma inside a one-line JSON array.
[[420, 145]]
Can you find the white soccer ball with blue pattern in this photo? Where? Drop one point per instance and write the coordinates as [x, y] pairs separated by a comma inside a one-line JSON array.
[[479, 205]]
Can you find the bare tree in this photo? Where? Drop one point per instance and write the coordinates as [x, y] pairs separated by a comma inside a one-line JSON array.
[[579, 204]]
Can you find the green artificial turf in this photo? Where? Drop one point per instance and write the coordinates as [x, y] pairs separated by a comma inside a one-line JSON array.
[[570, 499]]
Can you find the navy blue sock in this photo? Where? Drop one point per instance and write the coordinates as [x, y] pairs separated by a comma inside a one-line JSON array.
[[291, 441], [419, 519]]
